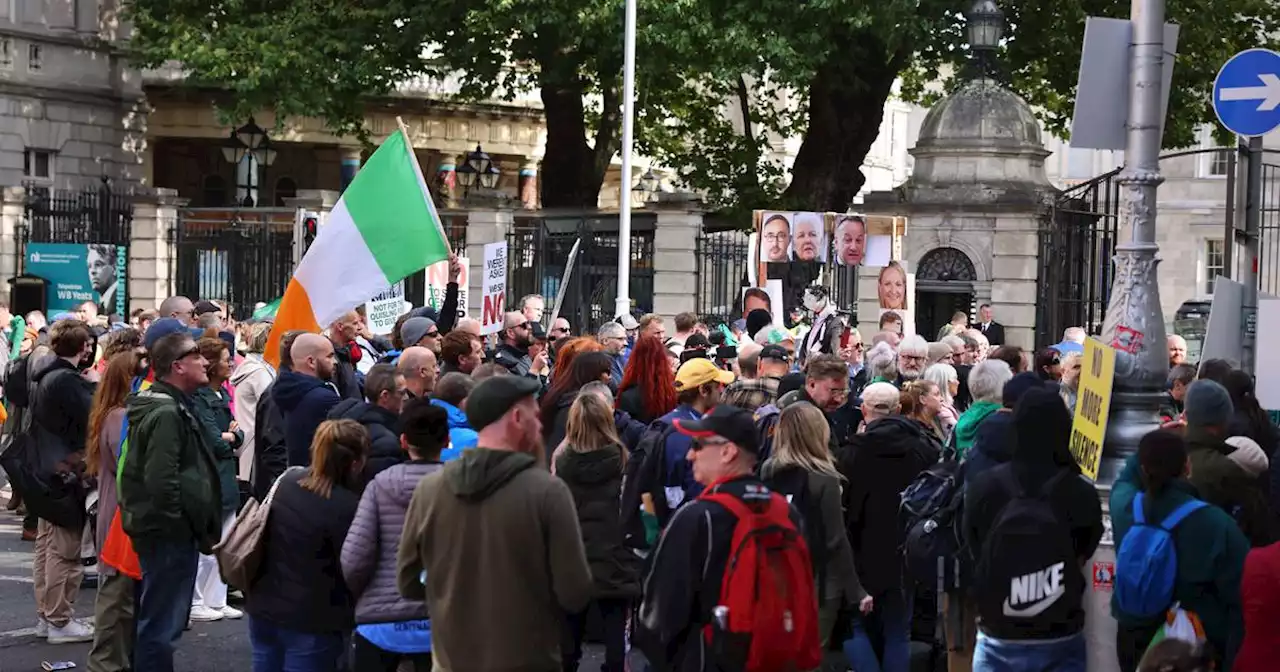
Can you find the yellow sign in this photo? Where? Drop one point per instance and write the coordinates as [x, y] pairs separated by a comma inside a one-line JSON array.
[[1093, 404]]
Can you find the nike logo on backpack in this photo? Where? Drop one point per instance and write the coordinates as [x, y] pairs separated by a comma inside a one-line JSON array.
[[1031, 594]]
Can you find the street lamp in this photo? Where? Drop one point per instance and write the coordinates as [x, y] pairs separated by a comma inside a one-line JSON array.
[[984, 25], [478, 166], [250, 147], [647, 186]]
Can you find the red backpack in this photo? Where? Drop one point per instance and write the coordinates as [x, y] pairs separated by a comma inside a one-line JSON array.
[[772, 620]]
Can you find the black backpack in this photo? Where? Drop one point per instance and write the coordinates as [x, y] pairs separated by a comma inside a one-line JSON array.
[[793, 483], [931, 511], [645, 473], [1027, 569]]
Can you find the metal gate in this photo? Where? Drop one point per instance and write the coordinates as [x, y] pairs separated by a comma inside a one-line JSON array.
[[94, 215], [538, 251], [1078, 236], [1269, 225], [240, 256]]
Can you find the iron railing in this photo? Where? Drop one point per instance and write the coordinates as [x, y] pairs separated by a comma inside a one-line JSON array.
[[240, 256]]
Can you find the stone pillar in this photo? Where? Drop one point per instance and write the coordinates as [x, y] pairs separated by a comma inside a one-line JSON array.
[[447, 180], [13, 216], [529, 185], [484, 226], [349, 164], [675, 260], [151, 253], [1013, 278]]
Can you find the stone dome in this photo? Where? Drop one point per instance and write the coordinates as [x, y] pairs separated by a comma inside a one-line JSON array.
[[981, 114]]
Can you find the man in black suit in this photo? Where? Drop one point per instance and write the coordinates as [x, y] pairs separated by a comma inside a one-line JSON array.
[[994, 331]]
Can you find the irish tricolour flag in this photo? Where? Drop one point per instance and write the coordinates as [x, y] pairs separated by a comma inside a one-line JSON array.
[[383, 229]]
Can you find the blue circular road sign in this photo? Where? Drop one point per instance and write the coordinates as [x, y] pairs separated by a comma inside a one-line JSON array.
[[1246, 93]]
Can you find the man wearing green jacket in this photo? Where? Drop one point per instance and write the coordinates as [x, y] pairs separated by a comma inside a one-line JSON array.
[[169, 495]]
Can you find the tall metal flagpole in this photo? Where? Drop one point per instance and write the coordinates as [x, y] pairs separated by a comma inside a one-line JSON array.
[[623, 305], [1134, 325]]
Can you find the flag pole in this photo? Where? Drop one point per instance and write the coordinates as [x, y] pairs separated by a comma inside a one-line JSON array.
[[413, 158], [623, 305]]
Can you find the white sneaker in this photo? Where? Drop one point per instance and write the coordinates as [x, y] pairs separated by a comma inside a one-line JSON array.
[[231, 613], [203, 614], [42, 628], [74, 631]]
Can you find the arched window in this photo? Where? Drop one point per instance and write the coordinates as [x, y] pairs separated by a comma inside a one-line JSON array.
[[285, 188], [213, 191]]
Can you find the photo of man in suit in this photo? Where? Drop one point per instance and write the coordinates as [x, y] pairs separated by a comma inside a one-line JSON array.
[[101, 263]]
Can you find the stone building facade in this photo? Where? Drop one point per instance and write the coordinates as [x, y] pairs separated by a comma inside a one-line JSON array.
[[69, 110], [974, 200]]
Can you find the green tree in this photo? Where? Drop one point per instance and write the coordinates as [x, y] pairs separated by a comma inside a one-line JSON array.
[[718, 81]]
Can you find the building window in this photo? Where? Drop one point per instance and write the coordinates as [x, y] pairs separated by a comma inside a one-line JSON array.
[[1219, 163], [38, 163], [1214, 263], [35, 57], [214, 191], [6, 53], [285, 188]]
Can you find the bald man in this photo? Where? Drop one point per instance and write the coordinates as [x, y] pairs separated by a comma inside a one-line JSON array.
[[418, 366], [469, 325], [304, 394], [513, 352], [179, 308]]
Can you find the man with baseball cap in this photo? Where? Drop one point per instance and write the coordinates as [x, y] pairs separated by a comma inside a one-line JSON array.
[[501, 534], [688, 567], [699, 387]]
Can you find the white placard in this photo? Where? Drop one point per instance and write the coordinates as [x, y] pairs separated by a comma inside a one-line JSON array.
[[382, 311], [494, 285], [437, 284]]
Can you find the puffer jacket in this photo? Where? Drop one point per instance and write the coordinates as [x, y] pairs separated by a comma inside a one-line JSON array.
[[595, 479], [369, 552], [461, 436]]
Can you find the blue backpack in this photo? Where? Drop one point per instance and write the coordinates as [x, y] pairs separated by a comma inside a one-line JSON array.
[[1147, 562]]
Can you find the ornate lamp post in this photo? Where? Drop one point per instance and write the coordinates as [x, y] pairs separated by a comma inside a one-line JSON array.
[[478, 167], [984, 26], [250, 147], [647, 186], [1134, 324]]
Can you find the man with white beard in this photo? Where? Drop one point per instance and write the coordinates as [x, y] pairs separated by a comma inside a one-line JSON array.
[[913, 357]]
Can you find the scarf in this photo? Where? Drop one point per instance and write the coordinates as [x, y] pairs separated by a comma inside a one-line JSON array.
[[967, 426]]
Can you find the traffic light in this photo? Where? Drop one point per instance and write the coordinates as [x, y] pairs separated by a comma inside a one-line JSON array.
[[310, 227]]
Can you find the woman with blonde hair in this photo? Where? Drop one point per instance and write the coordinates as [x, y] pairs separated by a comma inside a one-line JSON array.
[[922, 402], [300, 609], [590, 461], [948, 381], [801, 468]]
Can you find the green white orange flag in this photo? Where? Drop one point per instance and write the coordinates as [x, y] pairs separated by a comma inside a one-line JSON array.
[[383, 229]]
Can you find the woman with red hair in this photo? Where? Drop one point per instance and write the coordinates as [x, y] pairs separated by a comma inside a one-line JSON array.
[[571, 349], [648, 389]]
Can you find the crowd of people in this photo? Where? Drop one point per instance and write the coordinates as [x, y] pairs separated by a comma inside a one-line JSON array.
[[439, 501]]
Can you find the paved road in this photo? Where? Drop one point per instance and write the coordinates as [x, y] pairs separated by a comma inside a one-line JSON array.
[[207, 647]]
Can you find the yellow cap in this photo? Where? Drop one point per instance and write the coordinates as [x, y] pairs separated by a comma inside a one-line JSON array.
[[700, 371]]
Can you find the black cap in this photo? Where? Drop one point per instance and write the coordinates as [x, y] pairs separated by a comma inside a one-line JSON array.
[[203, 307], [493, 397], [730, 422], [790, 383], [536, 331], [775, 352], [697, 342]]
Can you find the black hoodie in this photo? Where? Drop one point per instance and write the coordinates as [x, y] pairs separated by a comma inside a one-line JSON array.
[[1041, 433], [62, 401], [305, 402], [878, 465], [384, 434]]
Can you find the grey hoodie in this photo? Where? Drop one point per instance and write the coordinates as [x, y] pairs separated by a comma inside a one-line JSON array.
[[498, 539], [369, 552]]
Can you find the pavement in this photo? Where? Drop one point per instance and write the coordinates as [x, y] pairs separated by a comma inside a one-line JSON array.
[[221, 646]]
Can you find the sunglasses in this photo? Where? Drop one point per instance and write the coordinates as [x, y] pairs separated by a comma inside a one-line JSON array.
[[699, 444], [559, 330], [190, 352], [432, 334]]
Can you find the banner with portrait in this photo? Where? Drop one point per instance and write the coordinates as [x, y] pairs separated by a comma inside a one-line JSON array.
[[77, 273], [796, 249]]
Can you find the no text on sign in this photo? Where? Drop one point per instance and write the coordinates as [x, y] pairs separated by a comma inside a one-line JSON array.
[[1246, 93]]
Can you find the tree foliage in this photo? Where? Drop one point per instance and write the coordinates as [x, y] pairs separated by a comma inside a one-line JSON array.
[[721, 83]]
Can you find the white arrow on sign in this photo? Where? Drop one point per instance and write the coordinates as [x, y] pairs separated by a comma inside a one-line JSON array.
[[1268, 93]]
